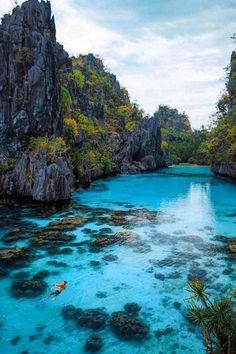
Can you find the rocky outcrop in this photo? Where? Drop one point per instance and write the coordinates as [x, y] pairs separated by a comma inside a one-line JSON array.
[[142, 150], [30, 61], [34, 177], [225, 170]]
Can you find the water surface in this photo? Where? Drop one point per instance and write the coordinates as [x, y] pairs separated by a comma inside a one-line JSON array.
[[195, 210]]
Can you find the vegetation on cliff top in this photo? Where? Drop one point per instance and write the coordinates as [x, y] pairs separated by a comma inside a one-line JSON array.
[[96, 111], [53, 148]]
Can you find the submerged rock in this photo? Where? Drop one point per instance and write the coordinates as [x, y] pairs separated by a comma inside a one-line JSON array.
[[26, 287], [142, 248], [159, 276], [128, 327], [15, 340], [177, 305], [66, 224], [232, 247], [13, 257], [57, 264], [101, 242], [70, 312], [51, 240], [136, 216], [118, 218], [197, 273], [14, 235], [95, 264], [164, 332], [144, 216], [110, 258], [3, 273], [33, 337], [91, 318], [101, 294], [127, 238], [50, 338], [132, 308], [94, 343]]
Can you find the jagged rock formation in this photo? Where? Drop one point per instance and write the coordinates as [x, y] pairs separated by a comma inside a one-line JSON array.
[[30, 60], [46, 95], [139, 152], [34, 177], [171, 119]]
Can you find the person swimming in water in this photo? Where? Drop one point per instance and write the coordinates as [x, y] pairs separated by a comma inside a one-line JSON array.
[[59, 288]]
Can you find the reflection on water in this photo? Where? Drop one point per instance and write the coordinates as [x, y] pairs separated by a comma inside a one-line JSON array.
[[173, 219]]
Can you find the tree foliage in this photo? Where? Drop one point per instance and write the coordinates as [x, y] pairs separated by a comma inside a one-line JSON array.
[[222, 141], [217, 319], [186, 146], [65, 96], [71, 129]]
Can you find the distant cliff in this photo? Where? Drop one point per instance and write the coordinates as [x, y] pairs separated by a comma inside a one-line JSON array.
[[179, 142], [63, 121], [171, 119]]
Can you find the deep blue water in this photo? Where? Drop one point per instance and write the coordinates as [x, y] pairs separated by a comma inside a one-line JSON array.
[[194, 207]]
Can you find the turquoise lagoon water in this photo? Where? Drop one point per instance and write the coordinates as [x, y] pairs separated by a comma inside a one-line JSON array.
[[194, 208]]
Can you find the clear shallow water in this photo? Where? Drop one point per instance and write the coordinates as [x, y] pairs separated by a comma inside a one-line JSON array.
[[194, 208]]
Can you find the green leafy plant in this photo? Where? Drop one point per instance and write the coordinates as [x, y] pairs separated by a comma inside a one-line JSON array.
[[90, 127], [54, 148], [71, 129], [217, 319], [77, 78], [65, 97]]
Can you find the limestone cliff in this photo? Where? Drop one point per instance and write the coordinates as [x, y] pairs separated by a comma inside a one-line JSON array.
[[35, 178], [171, 119], [30, 60], [71, 108]]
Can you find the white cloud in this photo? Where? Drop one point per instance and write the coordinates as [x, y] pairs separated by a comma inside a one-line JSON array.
[[184, 71]]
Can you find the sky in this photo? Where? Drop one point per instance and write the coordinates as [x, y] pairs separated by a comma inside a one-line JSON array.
[[171, 52]]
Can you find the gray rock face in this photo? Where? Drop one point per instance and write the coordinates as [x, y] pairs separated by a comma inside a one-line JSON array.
[[30, 60], [35, 178], [30, 64], [225, 170], [142, 149]]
